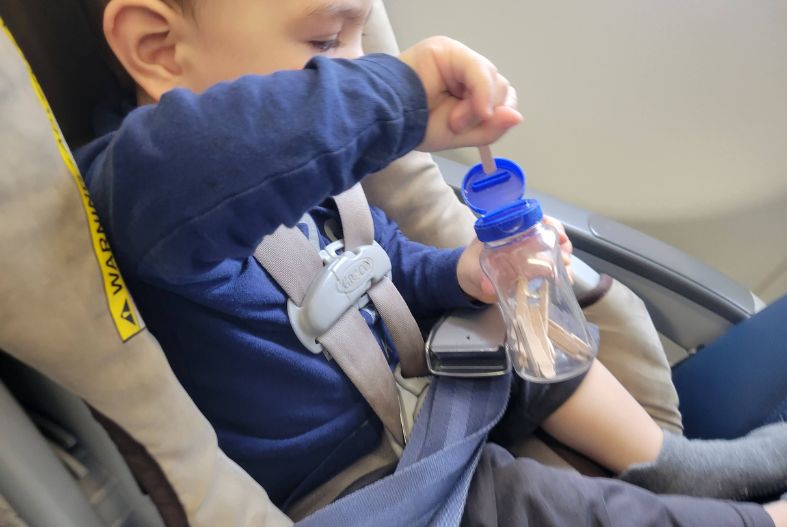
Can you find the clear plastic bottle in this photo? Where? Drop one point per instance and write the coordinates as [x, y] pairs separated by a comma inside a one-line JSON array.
[[547, 335]]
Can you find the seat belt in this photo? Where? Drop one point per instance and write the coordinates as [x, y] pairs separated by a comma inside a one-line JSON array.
[[323, 303], [431, 481]]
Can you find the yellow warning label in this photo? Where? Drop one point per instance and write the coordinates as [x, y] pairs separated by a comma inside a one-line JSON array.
[[121, 306]]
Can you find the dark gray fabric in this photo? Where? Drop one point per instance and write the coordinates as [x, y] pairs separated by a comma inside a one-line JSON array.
[[510, 491], [530, 404]]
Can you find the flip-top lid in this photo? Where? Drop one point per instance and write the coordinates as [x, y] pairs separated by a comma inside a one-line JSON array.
[[498, 198], [487, 192]]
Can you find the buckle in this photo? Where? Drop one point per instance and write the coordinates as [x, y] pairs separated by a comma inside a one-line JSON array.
[[468, 343], [341, 285]]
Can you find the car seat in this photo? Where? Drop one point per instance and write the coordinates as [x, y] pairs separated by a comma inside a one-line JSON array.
[[65, 312], [74, 321]]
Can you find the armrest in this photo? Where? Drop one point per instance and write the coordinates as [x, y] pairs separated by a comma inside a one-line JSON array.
[[690, 302]]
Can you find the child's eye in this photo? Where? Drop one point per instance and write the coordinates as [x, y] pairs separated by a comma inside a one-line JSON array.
[[324, 46]]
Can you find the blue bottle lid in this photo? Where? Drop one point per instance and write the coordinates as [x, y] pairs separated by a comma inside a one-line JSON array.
[[498, 198]]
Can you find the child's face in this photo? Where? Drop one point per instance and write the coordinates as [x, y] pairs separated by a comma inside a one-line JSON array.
[[230, 38]]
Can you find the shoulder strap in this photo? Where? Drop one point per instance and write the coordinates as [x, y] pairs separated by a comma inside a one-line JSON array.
[[358, 229], [293, 263]]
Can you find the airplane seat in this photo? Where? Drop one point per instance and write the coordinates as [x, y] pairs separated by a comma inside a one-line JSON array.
[[67, 314]]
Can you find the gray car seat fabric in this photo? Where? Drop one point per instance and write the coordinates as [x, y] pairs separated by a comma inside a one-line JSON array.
[[64, 310]]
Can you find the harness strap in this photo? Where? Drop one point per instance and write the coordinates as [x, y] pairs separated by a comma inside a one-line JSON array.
[[402, 327], [358, 230], [358, 354], [294, 264], [291, 260], [357, 224]]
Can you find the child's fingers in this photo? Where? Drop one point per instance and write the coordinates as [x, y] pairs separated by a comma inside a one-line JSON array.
[[512, 99], [500, 94], [470, 103], [479, 78], [464, 115], [566, 247], [490, 130], [559, 227], [570, 273], [503, 91], [488, 291], [556, 223]]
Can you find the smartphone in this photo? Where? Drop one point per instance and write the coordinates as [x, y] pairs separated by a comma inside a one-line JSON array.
[[468, 343]]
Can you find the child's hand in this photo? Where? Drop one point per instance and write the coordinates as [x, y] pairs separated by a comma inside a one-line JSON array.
[[471, 278], [566, 248], [470, 103], [475, 283]]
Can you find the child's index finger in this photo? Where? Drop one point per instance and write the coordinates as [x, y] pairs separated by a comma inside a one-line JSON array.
[[481, 81]]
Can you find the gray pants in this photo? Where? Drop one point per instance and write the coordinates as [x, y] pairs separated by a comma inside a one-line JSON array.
[[521, 492]]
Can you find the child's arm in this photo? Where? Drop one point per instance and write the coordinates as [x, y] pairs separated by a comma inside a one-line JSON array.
[[432, 280], [425, 276], [199, 179]]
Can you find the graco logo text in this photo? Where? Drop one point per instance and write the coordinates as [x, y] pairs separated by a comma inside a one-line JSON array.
[[355, 276]]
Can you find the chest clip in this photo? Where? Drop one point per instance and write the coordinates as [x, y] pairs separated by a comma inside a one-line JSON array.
[[341, 285]]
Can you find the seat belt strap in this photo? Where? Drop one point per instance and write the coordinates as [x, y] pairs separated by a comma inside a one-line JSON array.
[[358, 230], [291, 260], [432, 479]]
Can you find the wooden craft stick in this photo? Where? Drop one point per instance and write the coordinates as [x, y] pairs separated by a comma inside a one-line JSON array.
[[568, 342], [487, 161], [540, 333], [534, 332], [543, 294]]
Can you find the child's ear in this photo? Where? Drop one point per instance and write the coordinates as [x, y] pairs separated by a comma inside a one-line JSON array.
[[144, 35]]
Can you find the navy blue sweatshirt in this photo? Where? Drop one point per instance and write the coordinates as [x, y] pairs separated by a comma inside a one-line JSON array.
[[186, 189]]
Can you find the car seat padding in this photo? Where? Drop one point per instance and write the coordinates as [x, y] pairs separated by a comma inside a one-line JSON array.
[[54, 317]]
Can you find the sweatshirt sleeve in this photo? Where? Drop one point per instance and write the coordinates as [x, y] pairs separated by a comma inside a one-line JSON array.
[[197, 179], [424, 275]]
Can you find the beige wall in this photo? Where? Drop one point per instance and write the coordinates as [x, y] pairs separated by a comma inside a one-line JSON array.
[[668, 115]]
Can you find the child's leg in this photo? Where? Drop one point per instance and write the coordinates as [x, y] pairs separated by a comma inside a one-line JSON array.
[[602, 421], [632, 351]]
